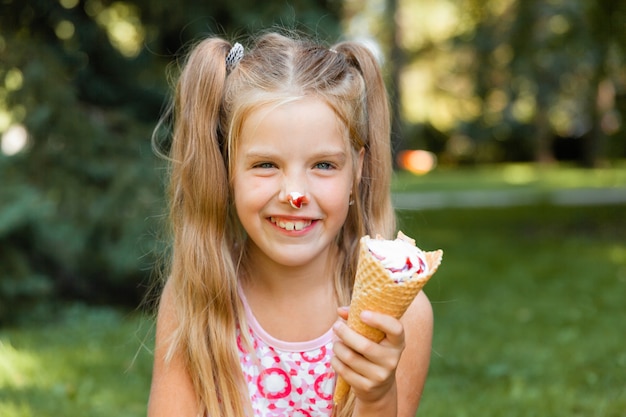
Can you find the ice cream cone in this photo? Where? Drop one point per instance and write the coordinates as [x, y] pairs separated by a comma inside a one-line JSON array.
[[375, 290]]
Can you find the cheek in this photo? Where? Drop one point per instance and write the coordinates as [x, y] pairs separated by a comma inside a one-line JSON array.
[[251, 193], [334, 197], [246, 207]]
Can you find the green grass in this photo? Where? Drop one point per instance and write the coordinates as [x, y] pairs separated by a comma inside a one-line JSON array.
[[507, 176], [530, 320], [87, 362], [530, 311]]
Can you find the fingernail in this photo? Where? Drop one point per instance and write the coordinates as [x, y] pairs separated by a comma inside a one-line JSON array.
[[366, 315]]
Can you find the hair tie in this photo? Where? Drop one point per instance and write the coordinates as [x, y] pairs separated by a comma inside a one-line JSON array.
[[234, 56]]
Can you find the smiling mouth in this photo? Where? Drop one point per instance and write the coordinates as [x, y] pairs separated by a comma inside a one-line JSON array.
[[290, 224]]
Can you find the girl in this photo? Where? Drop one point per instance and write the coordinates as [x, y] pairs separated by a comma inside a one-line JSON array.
[[280, 162]]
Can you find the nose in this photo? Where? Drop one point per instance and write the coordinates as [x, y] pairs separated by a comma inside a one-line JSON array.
[[294, 193]]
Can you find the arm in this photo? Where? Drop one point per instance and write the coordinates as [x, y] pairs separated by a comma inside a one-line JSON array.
[[171, 393], [387, 378], [414, 363]]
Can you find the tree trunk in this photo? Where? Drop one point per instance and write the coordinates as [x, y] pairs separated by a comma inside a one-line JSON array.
[[396, 63]]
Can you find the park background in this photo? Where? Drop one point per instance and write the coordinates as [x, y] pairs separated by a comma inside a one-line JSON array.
[[516, 109]]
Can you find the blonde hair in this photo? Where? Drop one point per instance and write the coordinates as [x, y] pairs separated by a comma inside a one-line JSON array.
[[209, 108]]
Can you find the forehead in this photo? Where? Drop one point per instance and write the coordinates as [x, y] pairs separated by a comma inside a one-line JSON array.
[[303, 122]]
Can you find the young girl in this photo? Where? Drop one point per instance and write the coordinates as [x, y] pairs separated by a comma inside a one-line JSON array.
[[280, 162]]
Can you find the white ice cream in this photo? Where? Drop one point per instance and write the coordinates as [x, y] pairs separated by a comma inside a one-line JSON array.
[[401, 259]]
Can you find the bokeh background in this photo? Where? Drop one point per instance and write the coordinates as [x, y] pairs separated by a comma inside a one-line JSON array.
[[510, 149]]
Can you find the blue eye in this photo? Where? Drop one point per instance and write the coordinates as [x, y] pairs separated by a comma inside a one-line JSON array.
[[324, 165], [264, 165]]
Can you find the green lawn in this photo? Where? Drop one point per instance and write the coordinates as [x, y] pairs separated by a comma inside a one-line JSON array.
[[522, 176], [530, 313], [88, 362]]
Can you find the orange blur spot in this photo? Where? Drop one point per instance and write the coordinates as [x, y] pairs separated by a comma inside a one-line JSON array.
[[417, 161]]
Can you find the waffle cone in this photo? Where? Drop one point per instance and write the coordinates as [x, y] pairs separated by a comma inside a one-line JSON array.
[[375, 290]]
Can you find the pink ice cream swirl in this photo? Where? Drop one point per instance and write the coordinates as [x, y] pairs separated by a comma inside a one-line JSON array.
[[400, 258]]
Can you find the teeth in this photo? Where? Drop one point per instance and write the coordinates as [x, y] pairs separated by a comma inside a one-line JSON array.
[[289, 224]]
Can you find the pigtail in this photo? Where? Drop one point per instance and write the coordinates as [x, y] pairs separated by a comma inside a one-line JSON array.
[[196, 149], [203, 279], [375, 200]]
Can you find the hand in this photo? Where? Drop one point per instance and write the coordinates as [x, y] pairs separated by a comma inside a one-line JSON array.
[[367, 366]]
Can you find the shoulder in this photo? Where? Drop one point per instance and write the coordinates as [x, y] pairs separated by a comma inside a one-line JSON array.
[[166, 320], [166, 303], [419, 315], [171, 391]]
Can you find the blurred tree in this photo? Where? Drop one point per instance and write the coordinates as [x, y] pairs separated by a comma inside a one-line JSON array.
[[80, 195], [606, 21], [505, 78]]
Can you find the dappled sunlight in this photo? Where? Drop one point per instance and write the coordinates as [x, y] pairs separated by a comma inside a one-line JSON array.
[[572, 177], [467, 71], [5, 118], [69, 4], [564, 121], [517, 174], [524, 107], [18, 368], [13, 137], [88, 363], [14, 140], [441, 101], [617, 255], [428, 21], [123, 25], [13, 80], [562, 176], [432, 91], [64, 30], [15, 409]]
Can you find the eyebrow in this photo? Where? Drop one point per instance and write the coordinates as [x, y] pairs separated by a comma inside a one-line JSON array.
[[330, 153]]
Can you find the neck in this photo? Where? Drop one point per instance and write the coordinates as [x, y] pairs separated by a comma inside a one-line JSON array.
[[276, 278], [292, 303]]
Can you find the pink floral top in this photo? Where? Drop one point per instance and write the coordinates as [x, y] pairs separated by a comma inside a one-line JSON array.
[[287, 378]]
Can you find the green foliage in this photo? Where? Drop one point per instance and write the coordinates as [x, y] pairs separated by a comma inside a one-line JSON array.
[[81, 204], [521, 80]]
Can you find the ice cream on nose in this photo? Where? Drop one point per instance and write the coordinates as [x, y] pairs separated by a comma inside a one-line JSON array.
[[296, 199]]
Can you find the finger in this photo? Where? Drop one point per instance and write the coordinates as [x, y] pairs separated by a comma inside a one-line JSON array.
[[351, 365], [358, 351], [343, 312], [390, 326], [353, 378], [359, 372]]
